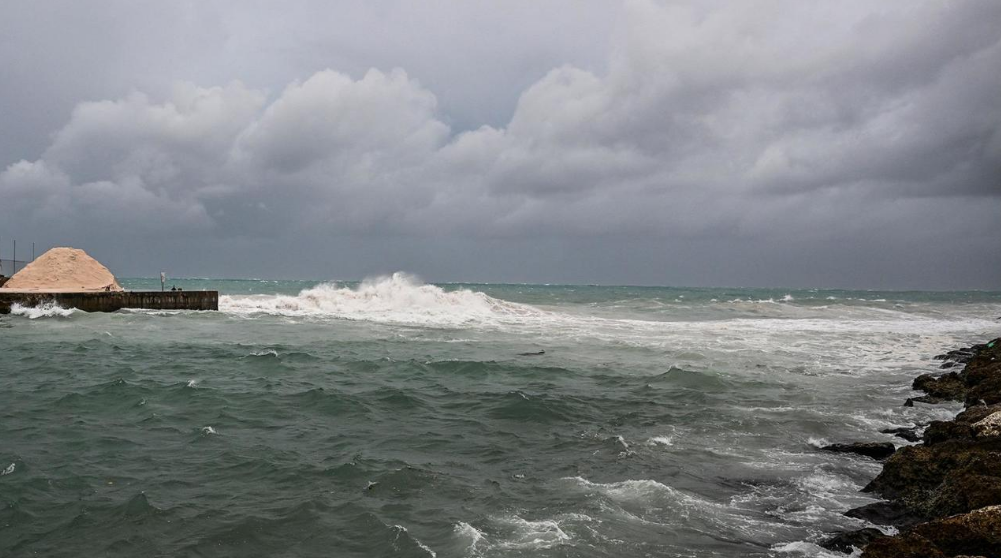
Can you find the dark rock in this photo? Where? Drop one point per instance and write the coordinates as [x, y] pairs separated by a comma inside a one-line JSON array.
[[948, 386], [845, 542], [924, 399], [974, 533], [944, 430], [987, 391], [915, 468], [954, 479], [977, 413], [884, 513], [875, 450], [951, 477], [909, 433], [964, 491], [961, 356], [978, 372], [902, 546]]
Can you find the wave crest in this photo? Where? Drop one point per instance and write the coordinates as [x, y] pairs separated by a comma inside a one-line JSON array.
[[399, 298], [47, 310]]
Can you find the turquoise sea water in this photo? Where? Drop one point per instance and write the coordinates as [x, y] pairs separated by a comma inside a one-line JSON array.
[[392, 418]]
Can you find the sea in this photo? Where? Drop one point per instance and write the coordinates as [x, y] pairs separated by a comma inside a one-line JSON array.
[[390, 417]]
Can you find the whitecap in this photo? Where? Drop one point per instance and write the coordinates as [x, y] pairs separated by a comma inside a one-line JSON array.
[[533, 535], [8, 470], [401, 529], [397, 299], [804, 548], [818, 442], [471, 534], [47, 310], [629, 490]]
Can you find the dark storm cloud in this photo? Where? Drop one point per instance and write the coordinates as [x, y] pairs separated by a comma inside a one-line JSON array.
[[842, 143]]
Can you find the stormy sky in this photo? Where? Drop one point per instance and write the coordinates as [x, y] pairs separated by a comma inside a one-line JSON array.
[[784, 143]]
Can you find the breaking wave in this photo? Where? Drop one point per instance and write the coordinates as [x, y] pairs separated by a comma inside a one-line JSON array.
[[399, 298], [47, 310]]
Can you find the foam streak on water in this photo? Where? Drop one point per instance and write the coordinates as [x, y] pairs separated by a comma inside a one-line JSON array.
[[393, 417]]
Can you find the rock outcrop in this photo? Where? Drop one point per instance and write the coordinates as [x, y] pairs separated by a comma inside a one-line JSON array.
[[875, 450], [944, 494]]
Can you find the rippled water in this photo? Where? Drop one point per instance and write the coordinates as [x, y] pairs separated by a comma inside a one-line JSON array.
[[398, 419]]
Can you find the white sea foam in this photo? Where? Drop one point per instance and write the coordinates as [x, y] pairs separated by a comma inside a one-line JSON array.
[[818, 442], [824, 485], [471, 534], [208, 430], [401, 529], [8, 470], [192, 383], [399, 298], [803, 548], [643, 490], [47, 310], [660, 441], [532, 535], [852, 339]]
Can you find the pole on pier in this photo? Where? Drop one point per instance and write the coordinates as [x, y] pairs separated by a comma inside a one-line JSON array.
[[32, 251], [14, 261], [163, 279]]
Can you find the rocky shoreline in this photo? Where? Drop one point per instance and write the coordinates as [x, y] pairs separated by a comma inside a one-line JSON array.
[[944, 494]]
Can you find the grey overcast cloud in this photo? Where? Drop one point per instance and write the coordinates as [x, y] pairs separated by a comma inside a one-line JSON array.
[[787, 143]]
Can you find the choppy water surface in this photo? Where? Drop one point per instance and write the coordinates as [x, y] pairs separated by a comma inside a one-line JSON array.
[[398, 419]]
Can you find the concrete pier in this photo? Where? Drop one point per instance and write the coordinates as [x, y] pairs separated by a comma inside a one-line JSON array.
[[112, 301]]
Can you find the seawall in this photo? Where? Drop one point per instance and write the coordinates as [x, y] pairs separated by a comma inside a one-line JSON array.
[[112, 301]]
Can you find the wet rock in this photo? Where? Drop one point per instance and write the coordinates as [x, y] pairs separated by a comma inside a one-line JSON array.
[[902, 546], [875, 450], [962, 492], [939, 431], [845, 542], [924, 399], [975, 533], [909, 433], [948, 386], [988, 427], [977, 373], [943, 479], [954, 479], [884, 513], [987, 392], [915, 468], [960, 355], [977, 413]]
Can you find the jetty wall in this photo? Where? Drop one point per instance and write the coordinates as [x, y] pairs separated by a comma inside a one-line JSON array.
[[112, 301]]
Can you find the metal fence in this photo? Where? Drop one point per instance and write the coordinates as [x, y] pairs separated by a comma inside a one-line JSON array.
[[14, 257], [10, 267]]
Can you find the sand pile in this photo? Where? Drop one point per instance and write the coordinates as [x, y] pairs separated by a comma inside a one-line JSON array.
[[64, 269]]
